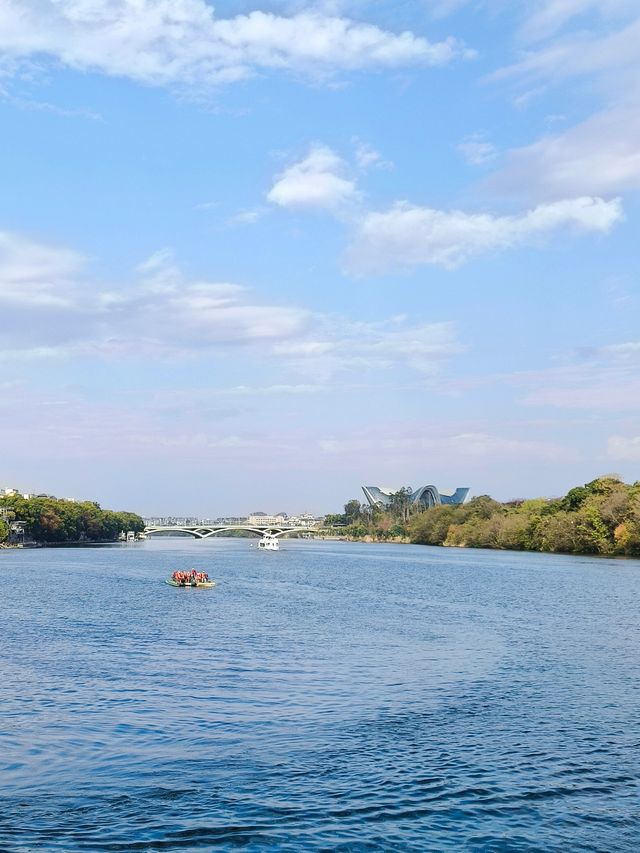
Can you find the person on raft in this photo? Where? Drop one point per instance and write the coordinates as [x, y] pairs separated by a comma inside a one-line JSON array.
[[190, 578]]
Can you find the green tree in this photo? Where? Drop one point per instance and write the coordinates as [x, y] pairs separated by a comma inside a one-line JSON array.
[[352, 511], [54, 520], [432, 526], [400, 504]]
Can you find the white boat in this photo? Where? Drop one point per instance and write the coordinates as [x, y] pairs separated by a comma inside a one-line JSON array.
[[269, 542]]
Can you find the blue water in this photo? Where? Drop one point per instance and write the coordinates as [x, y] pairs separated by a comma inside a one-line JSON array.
[[330, 696]]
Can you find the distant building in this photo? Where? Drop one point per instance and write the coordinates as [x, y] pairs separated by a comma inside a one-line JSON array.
[[15, 493], [261, 518], [170, 521], [303, 519], [231, 519], [17, 532], [425, 496]]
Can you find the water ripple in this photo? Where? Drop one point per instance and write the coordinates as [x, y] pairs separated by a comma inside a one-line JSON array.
[[331, 697]]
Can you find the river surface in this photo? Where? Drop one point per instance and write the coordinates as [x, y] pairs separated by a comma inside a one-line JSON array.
[[330, 696]]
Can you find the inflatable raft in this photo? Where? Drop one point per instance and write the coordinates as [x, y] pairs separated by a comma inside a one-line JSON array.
[[199, 584]]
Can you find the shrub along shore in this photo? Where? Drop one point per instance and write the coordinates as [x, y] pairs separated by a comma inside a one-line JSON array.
[[601, 517], [49, 521]]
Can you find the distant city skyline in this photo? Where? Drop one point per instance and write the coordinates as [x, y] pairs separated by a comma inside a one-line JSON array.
[[259, 254]]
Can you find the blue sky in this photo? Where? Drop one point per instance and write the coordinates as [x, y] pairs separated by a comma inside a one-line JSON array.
[[257, 255]]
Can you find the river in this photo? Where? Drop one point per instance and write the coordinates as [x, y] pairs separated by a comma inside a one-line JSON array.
[[330, 696]]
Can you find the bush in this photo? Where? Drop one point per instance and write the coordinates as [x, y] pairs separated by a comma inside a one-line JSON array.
[[601, 517]]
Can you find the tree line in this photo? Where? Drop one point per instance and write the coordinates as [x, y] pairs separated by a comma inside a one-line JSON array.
[[361, 521], [52, 520], [601, 517]]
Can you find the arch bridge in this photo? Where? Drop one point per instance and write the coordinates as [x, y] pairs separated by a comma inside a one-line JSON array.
[[205, 531]]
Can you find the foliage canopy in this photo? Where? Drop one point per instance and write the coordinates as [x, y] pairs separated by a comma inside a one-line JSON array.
[[54, 520], [601, 517]]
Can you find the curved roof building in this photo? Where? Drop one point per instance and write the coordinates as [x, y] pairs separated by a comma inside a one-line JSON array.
[[425, 496]]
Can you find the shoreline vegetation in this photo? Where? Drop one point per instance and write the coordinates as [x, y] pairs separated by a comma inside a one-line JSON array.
[[53, 521], [601, 518]]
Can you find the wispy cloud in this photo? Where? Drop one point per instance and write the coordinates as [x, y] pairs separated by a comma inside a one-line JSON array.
[[624, 447], [607, 392], [470, 445], [31, 105], [622, 352], [35, 274], [185, 44], [367, 157], [476, 150], [337, 344], [77, 426], [545, 18], [162, 313], [248, 217], [408, 235], [598, 155]]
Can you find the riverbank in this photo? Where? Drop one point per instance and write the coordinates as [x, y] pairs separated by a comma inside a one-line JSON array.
[[79, 544], [48, 521], [600, 518]]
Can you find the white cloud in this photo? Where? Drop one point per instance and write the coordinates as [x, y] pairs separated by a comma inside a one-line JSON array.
[[471, 445], [476, 150], [181, 42], [408, 235], [547, 17], [600, 392], [598, 156], [206, 205], [482, 444], [33, 273], [161, 313], [164, 314], [442, 8], [582, 53], [268, 390], [623, 352], [596, 379], [367, 157], [621, 447], [30, 105], [337, 345], [214, 314], [318, 181], [247, 217]]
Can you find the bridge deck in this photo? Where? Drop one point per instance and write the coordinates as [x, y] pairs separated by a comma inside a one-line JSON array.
[[204, 531]]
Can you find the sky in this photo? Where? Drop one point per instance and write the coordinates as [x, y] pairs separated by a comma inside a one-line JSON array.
[[255, 255]]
